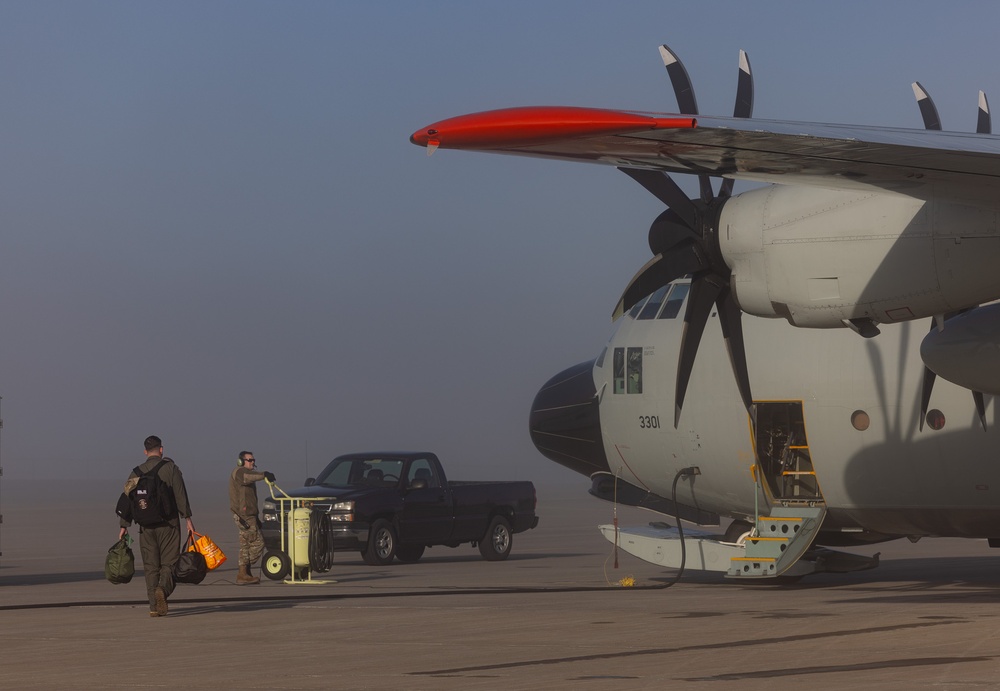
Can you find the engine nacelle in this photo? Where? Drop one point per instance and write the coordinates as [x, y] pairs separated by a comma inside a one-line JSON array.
[[819, 257]]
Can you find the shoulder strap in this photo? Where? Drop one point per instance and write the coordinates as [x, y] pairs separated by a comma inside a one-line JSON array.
[[138, 473], [155, 470]]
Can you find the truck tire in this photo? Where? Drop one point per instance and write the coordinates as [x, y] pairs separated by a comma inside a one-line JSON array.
[[381, 544], [276, 565], [496, 543], [409, 554]]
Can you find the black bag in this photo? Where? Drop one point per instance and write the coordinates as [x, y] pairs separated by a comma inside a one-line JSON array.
[[191, 566], [119, 567], [151, 502], [124, 508]]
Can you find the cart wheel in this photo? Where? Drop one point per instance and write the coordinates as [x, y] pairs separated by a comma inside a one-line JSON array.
[[276, 565]]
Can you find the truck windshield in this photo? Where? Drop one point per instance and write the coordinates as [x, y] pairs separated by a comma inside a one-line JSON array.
[[354, 472]]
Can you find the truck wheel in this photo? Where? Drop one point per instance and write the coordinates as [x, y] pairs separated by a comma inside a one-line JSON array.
[[276, 565], [495, 545], [381, 544], [409, 554]]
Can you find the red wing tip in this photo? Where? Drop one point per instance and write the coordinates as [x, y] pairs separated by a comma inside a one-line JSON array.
[[524, 126]]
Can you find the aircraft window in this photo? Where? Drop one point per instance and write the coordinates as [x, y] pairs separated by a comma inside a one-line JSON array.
[[600, 359], [860, 420], [635, 370], [628, 370], [935, 419], [652, 305], [619, 370], [636, 308], [672, 306]]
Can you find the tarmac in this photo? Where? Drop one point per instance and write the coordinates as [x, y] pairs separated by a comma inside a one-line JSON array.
[[555, 615]]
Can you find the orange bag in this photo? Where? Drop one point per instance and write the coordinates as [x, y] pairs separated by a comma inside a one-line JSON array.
[[214, 556]]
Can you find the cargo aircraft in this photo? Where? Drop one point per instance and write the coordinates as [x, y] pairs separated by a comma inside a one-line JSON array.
[[851, 407]]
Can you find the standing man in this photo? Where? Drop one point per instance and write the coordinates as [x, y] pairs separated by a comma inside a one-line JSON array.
[[160, 543], [243, 504]]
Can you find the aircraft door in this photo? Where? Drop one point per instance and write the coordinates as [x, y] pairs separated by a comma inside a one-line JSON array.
[[783, 456]]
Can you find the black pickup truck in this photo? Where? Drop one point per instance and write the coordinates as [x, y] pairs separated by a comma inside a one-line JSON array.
[[394, 505]]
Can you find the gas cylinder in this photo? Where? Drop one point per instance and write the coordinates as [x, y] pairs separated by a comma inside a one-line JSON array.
[[298, 536]]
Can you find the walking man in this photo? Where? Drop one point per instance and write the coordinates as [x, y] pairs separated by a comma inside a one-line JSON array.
[[160, 541], [243, 504]]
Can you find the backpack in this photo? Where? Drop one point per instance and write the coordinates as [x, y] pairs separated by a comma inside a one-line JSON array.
[[119, 567], [152, 501]]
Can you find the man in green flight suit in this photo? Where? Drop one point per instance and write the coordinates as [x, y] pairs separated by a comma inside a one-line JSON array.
[[160, 544]]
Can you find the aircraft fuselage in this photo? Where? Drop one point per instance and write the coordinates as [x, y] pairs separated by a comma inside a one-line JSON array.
[[879, 475]]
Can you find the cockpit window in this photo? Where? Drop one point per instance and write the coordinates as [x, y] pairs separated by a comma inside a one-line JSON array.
[[635, 370], [672, 306], [619, 370], [628, 370], [636, 308], [652, 305]]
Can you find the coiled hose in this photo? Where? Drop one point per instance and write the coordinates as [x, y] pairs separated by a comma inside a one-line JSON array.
[[320, 542]]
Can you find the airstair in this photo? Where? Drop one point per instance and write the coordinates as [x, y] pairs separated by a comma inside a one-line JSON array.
[[779, 541]]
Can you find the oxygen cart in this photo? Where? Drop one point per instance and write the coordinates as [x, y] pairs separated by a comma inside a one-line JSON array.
[[306, 540]]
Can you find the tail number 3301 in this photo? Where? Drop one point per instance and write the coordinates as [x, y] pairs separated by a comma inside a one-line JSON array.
[[649, 422]]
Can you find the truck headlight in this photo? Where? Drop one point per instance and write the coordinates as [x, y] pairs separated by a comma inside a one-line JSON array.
[[342, 512]]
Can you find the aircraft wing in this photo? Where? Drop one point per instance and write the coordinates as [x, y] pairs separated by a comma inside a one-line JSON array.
[[962, 166]]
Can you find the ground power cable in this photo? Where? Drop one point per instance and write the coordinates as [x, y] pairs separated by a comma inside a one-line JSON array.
[[690, 471]]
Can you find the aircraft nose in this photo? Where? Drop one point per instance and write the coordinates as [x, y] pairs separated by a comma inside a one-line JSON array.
[[565, 421]]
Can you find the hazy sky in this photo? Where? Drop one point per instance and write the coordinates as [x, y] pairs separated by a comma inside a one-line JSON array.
[[215, 229]]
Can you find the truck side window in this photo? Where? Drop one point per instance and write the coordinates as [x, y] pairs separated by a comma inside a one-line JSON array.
[[421, 469]]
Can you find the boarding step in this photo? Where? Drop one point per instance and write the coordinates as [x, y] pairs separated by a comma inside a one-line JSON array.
[[780, 540]]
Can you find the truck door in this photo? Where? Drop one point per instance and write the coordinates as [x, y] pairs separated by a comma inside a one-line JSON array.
[[427, 515]]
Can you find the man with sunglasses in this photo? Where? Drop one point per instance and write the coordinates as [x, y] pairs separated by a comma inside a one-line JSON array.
[[243, 504]]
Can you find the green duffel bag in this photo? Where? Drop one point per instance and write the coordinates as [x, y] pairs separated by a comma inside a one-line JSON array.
[[119, 567]]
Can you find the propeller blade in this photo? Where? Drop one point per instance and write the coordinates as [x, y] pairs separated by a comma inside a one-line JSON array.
[[731, 320], [686, 102], [984, 123], [668, 231], [704, 292], [744, 89], [977, 396], [742, 109], [925, 394], [658, 272], [663, 187], [928, 111], [681, 82]]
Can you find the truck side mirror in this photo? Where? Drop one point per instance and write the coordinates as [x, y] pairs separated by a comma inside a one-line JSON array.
[[419, 484]]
